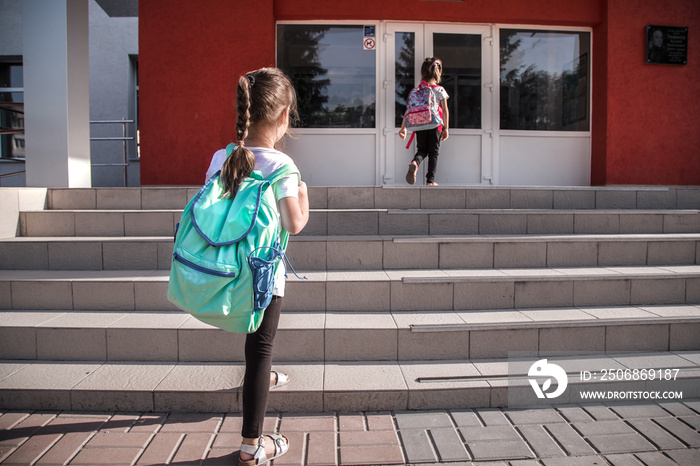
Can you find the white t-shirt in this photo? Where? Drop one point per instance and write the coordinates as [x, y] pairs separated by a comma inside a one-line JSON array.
[[440, 93], [266, 161]]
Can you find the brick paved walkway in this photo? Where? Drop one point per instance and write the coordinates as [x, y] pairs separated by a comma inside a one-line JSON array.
[[659, 434]]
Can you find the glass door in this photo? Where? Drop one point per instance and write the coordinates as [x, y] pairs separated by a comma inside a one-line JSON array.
[[466, 53]]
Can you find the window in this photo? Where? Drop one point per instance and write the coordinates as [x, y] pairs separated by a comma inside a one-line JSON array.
[[461, 76], [335, 78], [11, 109], [545, 80]]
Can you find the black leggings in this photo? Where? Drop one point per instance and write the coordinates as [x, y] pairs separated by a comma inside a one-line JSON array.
[[258, 364], [428, 145]]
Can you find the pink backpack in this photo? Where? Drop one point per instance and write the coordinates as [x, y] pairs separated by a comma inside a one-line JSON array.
[[422, 109]]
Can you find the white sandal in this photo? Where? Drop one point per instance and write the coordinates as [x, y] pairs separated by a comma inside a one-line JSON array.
[[258, 451], [282, 379]]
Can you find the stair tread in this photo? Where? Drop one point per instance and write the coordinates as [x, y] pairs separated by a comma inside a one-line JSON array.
[[10, 370], [317, 386], [385, 320], [405, 275], [395, 238]]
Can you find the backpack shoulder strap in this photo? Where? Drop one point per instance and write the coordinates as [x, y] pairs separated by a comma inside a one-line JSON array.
[[286, 170]]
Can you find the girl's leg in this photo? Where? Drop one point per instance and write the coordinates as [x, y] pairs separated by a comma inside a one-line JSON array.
[[422, 146], [433, 153], [258, 360], [421, 154]]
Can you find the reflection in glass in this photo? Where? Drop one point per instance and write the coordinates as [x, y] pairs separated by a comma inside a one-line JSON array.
[[11, 111], [461, 76], [544, 80], [332, 73], [405, 72]]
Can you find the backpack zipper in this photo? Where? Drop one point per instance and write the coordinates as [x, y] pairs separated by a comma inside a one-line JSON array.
[[199, 268]]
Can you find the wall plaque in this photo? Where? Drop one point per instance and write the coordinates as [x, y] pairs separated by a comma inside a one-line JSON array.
[[667, 45]]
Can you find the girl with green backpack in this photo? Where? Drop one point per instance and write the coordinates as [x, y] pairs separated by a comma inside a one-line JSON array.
[[266, 102]]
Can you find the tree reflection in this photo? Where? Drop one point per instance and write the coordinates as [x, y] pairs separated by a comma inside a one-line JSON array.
[[538, 99], [322, 99]]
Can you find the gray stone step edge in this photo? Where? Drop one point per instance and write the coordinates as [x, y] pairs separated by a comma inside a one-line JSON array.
[[348, 336], [396, 290], [403, 197], [314, 387], [370, 252]]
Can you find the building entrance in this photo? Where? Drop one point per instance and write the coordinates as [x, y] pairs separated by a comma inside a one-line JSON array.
[[467, 55]]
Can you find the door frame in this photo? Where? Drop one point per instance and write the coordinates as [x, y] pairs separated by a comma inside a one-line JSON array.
[[423, 47]]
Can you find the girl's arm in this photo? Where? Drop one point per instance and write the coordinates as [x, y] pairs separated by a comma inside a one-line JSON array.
[[295, 212], [445, 119], [402, 132]]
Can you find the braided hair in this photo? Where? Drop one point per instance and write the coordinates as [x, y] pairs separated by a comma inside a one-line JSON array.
[[261, 96]]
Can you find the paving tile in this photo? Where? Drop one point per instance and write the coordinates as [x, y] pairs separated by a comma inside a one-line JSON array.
[[422, 420], [417, 446], [33, 449], [118, 439], [655, 434], [569, 439], [371, 454], [449, 445], [688, 456], [367, 438], [322, 448], [194, 447], [308, 423], [640, 411], [575, 461], [63, 450], [161, 448], [620, 443], [656, 458], [500, 450], [540, 441], [191, 422], [380, 421], [351, 422], [93, 456], [602, 428], [492, 417], [574, 414], [534, 416], [465, 418], [488, 434], [681, 431]]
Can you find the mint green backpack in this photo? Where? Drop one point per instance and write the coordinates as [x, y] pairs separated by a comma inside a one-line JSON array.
[[226, 253]]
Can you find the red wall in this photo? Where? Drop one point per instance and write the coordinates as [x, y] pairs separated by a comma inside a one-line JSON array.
[[191, 53], [653, 116], [190, 56]]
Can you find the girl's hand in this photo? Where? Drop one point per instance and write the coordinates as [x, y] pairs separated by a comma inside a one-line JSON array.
[[402, 133], [445, 134]]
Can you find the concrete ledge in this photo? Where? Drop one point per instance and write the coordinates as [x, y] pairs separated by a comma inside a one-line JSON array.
[[314, 387], [349, 336]]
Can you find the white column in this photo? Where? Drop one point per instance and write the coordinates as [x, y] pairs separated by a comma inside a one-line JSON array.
[[56, 92]]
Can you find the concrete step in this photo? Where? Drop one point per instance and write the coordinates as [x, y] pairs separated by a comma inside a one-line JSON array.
[[338, 222], [454, 252], [350, 336], [404, 197], [371, 252], [336, 386], [390, 290]]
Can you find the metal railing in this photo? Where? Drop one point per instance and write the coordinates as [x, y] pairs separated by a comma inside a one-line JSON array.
[[5, 175], [124, 139]]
